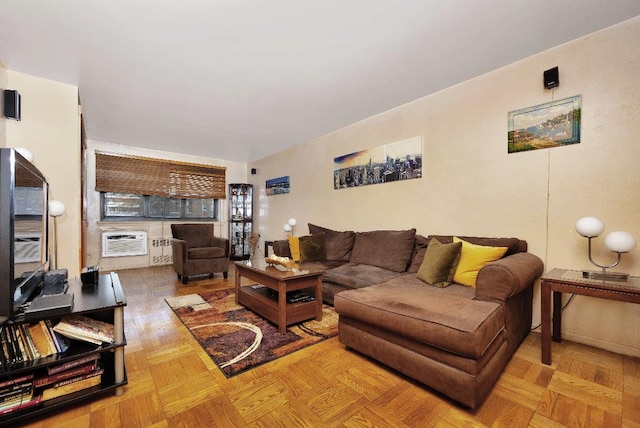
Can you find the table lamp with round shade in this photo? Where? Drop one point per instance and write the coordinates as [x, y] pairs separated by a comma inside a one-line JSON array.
[[288, 226], [619, 242], [56, 209]]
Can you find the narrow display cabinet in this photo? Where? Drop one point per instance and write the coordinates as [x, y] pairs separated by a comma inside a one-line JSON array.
[[43, 371], [240, 220]]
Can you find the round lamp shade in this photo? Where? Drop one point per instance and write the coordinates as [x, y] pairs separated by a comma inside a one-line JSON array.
[[292, 222], [287, 227], [620, 242], [56, 208], [589, 227]]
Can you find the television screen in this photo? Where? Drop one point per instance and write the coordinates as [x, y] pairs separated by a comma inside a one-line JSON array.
[[24, 253]]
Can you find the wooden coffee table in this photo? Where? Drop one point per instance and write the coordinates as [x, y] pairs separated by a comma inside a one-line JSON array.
[[270, 301]]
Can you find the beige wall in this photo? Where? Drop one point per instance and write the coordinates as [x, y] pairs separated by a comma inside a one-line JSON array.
[[50, 129], [471, 185], [156, 230]]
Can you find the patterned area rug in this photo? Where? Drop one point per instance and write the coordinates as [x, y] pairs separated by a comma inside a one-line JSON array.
[[237, 339]]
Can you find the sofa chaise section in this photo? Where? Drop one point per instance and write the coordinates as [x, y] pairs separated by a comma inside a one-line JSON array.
[[456, 340]]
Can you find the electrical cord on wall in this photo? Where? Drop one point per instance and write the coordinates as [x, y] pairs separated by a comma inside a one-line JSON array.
[[561, 310]]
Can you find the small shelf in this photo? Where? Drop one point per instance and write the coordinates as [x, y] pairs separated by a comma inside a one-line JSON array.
[[265, 302], [105, 302]]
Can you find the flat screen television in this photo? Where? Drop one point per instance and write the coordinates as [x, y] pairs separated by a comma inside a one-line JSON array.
[[24, 231]]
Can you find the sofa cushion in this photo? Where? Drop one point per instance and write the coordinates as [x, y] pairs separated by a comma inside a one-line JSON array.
[[473, 258], [338, 244], [419, 249], [439, 264], [205, 253], [353, 275], [514, 245], [281, 248], [312, 248], [389, 249], [429, 315]]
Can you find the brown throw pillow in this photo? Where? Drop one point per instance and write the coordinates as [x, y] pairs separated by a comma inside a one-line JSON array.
[[312, 248], [439, 264], [338, 244]]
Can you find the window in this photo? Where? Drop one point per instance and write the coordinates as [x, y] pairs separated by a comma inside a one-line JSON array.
[[133, 187], [144, 207]]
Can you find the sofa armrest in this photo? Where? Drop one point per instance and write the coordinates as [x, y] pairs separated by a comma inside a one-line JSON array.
[[508, 276], [221, 243]]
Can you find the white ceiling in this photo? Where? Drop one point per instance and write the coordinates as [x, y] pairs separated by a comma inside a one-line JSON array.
[[242, 79]]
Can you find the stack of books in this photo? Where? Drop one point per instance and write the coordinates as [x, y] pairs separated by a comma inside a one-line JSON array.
[[32, 389], [29, 342], [299, 296], [79, 327], [69, 377], [17, 394]]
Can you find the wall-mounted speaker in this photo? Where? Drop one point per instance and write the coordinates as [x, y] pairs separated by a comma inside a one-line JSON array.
[[254, 171], [11, 104], [552, 78]]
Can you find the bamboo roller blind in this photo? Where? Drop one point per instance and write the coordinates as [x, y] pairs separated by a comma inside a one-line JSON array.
[[148, 176]]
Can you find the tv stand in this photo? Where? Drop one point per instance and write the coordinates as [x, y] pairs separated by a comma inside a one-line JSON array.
[[105, 302]]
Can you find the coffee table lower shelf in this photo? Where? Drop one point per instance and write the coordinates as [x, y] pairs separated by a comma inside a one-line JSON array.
[[262, 302]]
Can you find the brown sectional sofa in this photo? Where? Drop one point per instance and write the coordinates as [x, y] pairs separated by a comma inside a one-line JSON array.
[[456, 339]]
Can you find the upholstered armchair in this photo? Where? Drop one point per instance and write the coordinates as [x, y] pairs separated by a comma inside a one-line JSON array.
[[197, 252]]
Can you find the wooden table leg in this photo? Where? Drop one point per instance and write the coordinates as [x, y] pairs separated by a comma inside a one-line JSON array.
[[557, 316], [319, 299], [282, 307], [237, 283], [545, 309]]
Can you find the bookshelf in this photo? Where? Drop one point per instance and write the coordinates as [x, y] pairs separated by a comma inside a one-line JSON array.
[[105, 302]]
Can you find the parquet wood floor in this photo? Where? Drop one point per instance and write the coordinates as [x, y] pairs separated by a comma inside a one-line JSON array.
[[173, 382]]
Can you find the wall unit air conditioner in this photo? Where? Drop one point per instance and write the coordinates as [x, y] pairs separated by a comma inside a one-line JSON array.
[[28, 247], [118, 244]]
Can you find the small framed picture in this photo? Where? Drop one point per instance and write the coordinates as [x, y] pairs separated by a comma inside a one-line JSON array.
[[277, 186]]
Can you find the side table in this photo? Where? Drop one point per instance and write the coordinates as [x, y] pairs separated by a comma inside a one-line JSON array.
[[267, 244], [561, 281]]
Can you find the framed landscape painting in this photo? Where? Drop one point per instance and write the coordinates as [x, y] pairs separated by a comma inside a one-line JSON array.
[[552, 124]]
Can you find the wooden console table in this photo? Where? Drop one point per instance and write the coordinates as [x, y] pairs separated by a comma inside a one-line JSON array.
[[561, 281]]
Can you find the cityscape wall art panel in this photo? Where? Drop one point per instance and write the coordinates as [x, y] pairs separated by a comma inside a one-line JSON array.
[[277, 186], [400, 160]]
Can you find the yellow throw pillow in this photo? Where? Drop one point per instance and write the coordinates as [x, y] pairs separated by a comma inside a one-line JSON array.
[[472, 259], [294, 248]]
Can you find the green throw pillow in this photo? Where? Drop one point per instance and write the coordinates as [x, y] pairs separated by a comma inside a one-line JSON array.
[[312, 248], [439, 264]]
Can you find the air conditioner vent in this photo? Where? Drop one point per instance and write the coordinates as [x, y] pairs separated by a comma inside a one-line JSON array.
[[118, 244]]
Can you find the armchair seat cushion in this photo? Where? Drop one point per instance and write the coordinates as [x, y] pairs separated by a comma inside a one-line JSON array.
[[205, 253]]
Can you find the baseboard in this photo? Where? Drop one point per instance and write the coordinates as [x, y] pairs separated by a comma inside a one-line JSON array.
[[602, 344]]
